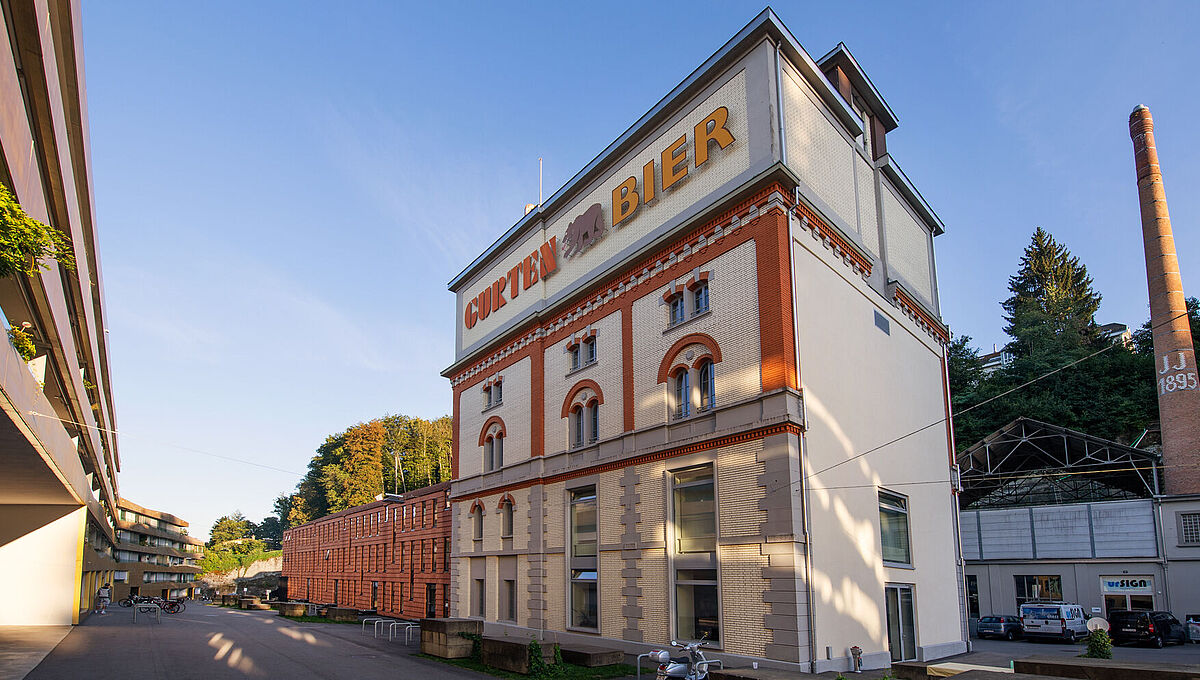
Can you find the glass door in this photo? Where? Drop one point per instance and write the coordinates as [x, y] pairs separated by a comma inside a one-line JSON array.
[[901, 622]]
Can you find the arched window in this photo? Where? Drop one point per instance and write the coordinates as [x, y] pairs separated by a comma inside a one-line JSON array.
[[683, 393], [489, 454], [708, 390], [506, 518], [577, 426], [498, 451], [477, 523], [593, 412]]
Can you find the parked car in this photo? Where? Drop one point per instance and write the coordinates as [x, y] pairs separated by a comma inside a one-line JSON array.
[[1004, 626], [1063, 620], [1155, 628]]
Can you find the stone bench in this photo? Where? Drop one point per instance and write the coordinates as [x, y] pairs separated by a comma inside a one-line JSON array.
[[1104, 669], [440, 637], [341, 614], [587, 655], [249, 603], [230, 600], [512, 654], [292, 609]]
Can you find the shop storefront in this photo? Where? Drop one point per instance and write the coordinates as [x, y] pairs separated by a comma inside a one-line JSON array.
[[1127, 592]]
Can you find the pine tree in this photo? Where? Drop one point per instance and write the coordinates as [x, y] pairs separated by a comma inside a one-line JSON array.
[[1053, 303]]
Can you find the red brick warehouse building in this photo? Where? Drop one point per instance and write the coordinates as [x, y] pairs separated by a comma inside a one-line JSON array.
[[389, 556]]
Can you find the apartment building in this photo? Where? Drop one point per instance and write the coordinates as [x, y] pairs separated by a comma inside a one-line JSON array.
[[155, 555], [389, 556], [59, 459], [700, 391]]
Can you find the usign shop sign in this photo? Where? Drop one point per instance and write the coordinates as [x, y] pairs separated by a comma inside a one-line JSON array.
[[590, 228]]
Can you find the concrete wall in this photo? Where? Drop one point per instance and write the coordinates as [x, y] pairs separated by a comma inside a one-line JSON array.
[[55, 535], [864, 387]]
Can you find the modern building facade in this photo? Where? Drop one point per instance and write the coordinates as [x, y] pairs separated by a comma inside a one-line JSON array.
[[58, 452], [389, 556], [700, 392], [155, 555]]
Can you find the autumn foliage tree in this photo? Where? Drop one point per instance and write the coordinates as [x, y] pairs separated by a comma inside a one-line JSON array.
[[395, 453]]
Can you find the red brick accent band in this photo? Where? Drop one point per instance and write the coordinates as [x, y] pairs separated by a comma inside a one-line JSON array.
[[490, 422], [579, 387], [664, 368]]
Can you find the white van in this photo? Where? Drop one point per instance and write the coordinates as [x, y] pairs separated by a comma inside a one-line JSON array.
[[1053, 619]]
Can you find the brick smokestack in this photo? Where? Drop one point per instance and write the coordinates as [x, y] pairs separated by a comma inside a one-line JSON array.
[[1175, 358]]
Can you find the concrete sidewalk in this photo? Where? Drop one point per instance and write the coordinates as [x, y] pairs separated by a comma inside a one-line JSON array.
[[212, 643], [22, 648]]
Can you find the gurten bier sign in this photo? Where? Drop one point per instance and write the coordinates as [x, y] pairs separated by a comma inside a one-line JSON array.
[[673, 164]]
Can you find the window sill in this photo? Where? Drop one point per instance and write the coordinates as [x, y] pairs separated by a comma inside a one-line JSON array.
[[493, 406], [582, 368], [591, 631], [899, 565], [688, 320]]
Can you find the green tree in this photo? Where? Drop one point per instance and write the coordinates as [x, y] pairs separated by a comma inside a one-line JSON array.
[[25, 242], [964, 365], [1050, 313], [1144, 341], [229, 528], [1052, 302], [270, 532]]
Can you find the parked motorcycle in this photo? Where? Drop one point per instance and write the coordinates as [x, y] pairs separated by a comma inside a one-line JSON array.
[[692, 665]]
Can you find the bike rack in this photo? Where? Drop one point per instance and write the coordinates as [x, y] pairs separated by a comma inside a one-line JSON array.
[[369, 620]]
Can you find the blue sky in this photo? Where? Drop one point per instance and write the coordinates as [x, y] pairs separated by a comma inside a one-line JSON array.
[[283, 189]]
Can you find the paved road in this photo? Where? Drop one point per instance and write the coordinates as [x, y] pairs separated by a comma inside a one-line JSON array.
[[1022, 648], [214, 643]]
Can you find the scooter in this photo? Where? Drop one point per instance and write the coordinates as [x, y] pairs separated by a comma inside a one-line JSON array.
[[691, 666]]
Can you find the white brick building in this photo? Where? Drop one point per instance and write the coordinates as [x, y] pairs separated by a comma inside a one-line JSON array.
[[667, 377]]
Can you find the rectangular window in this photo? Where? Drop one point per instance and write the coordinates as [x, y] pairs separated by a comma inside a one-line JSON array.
[[696, 612], [584, 602], [498, 393], [594, 423], [477, 605], [893, 528], [589, 351], [575, 358], [509, 595], [487, 398], [677, 310], [700, 298], [583, 522], [695, 510], [1037, 587], [1189, 528]]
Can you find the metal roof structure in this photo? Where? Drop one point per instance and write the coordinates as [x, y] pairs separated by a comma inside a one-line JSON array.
[[1028, 462]]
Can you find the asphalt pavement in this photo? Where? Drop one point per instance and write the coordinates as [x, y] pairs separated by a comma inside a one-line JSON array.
[[1017, 649], [207, 642]]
